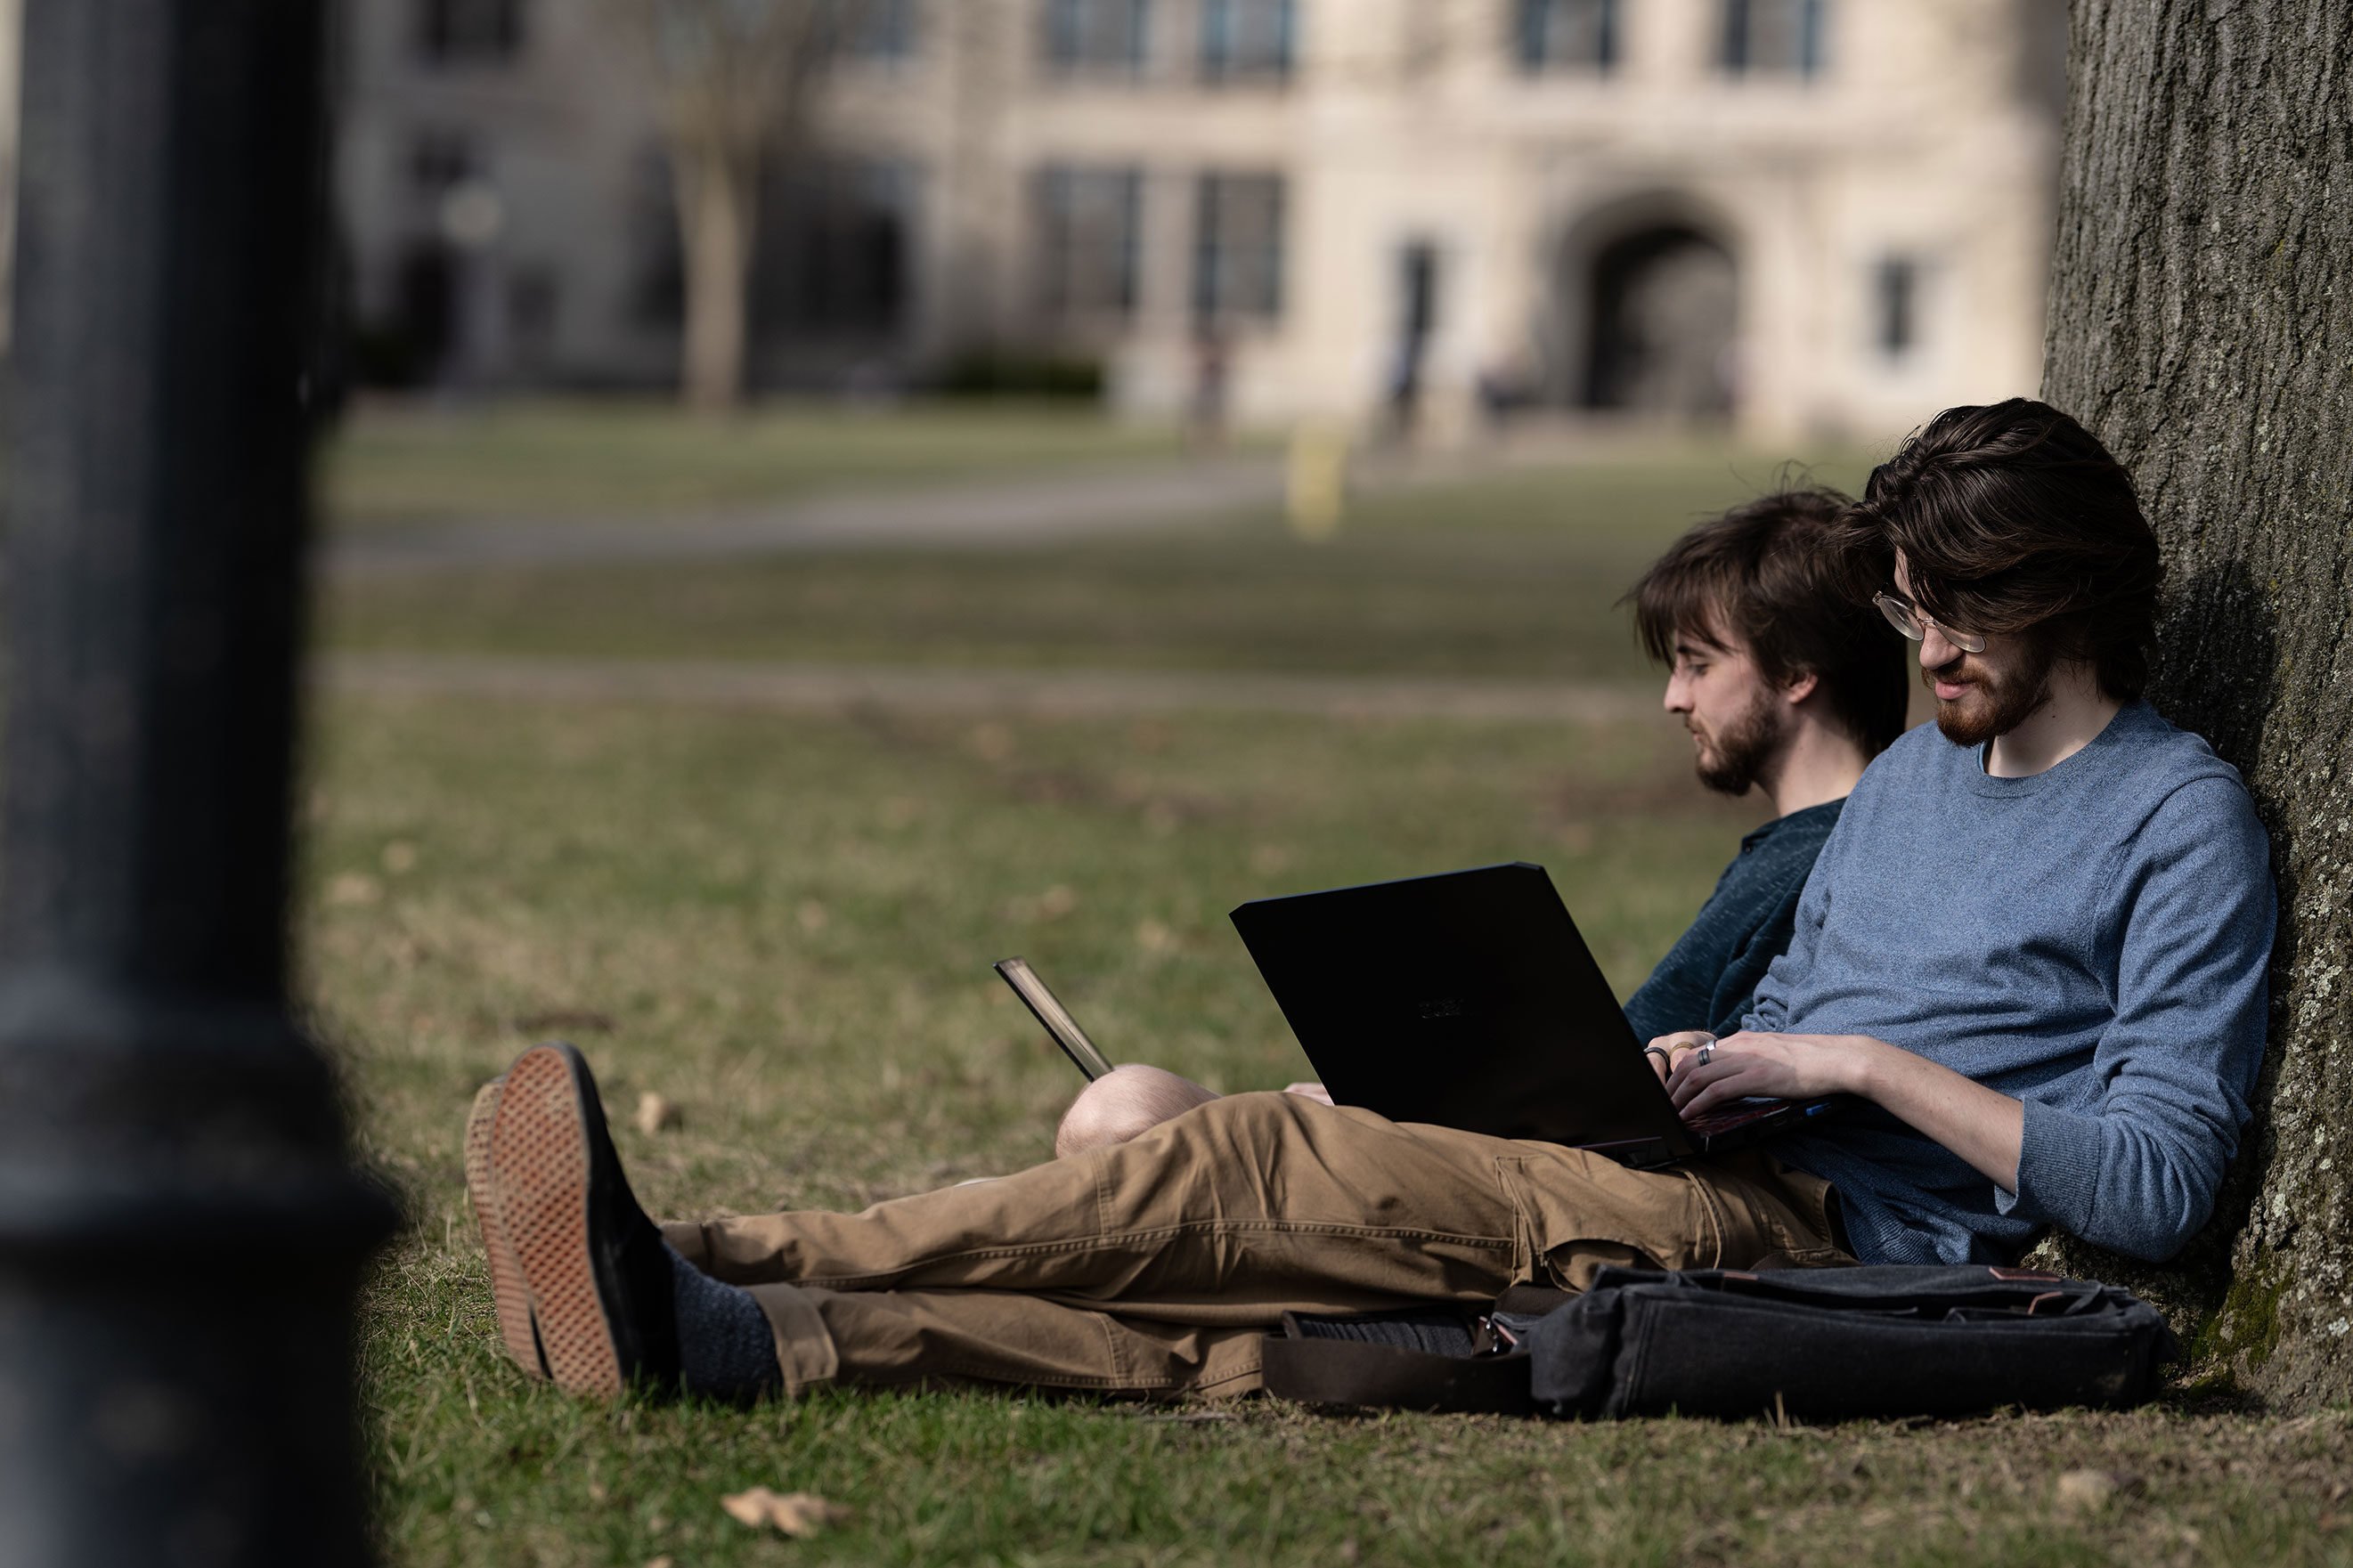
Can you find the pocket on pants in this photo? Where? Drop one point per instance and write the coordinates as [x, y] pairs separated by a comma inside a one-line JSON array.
[[1769, 1210], [1579, 1211]]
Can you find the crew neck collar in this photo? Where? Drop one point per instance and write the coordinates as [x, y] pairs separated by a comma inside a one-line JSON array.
[[1819, 809], [2110, 736]]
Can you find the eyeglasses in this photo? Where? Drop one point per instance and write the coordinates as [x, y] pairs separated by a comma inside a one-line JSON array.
[[1906, 618]]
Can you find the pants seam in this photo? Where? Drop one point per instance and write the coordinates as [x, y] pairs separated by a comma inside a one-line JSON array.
[[1714, 1208], [1120, 1383], [1163, 1233], [1111, 1347]]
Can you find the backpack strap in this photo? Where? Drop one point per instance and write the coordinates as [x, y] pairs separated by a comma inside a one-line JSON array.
[[1418, 1359]]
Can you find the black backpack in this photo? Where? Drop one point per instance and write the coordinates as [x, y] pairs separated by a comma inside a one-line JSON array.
[[1821, 1344]]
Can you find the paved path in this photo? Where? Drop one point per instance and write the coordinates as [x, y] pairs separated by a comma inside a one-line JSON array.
[[1063, 693], [980, 513], [991, 511]]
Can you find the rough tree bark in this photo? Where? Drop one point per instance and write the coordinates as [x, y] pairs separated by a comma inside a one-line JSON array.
[[2202, 322]]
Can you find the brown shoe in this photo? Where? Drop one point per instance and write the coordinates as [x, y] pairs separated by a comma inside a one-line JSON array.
[[596, 1274], [507, 1291]]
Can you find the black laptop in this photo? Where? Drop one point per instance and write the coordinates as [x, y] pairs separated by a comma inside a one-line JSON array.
[[1470, 1000]]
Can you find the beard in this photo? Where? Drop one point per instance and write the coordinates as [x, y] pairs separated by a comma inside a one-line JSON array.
[[1732, 759], [1993, 704]]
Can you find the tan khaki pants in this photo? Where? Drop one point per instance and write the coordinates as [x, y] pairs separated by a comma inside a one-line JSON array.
[[1157, 1265]]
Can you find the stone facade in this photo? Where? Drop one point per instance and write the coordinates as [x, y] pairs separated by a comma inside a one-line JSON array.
[[1810, 216]]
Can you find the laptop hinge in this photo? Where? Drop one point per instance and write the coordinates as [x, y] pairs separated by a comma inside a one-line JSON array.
[[1638, 1152]]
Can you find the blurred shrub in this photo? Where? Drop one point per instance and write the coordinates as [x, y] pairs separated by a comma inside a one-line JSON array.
[[999, 373], [389, 357]]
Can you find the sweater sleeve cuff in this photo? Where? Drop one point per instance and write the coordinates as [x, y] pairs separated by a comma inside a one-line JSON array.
[[2058, 1169]]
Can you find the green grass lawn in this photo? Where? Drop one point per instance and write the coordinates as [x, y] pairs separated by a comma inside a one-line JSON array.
[[784, 924], [1515, 575], [396, 463]]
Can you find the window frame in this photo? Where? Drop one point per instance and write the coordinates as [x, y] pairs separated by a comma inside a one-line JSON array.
[[471, 34], [1060, 206], [1809, 25], [1214, 250], [1899, 283], [1535, 26], [1064, 39], [1216, 56]]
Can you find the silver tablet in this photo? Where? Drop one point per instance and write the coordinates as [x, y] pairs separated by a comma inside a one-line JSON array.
[[1056, 1018]]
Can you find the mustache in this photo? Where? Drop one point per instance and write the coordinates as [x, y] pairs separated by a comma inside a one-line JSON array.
[[1956, 669]]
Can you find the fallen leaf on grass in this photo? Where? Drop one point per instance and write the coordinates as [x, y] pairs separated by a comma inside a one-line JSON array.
[[991, 742], [795, 1513], [656, 1112], [2088, 1491], [353, 887]]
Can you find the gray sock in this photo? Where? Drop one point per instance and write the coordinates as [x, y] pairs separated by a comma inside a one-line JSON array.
[[725, 1350]]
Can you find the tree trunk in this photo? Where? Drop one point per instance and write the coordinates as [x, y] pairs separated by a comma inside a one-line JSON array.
[[2201, 323], [717, 185]]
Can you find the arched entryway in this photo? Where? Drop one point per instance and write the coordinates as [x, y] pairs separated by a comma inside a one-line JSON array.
[[1663, 317], [1642, 313]]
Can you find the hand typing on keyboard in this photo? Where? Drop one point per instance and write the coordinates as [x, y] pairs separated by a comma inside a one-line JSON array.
[[1749, 1066]]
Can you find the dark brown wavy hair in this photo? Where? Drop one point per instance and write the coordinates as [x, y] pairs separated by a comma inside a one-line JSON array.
[[2013, 520], [1769, 573]]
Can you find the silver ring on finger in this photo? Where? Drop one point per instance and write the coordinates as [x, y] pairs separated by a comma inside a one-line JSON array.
[[1706, 1053]]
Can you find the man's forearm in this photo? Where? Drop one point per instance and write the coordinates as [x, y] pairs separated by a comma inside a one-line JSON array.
[[1983, 1126]]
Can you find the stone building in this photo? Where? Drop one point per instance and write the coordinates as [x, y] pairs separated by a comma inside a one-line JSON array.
[[1803, 215]]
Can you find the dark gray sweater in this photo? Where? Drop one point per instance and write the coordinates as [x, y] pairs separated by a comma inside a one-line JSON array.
[[1708, 979]]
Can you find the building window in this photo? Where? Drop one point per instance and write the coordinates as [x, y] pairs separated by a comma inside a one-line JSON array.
[[655, 298], [1097, 35], [439, 160], [1090, 228], [1237, 247], [883, 30], [1247, 40], [1578, 35], [1895, 307], [834, 239], [1783, 36], [532, 295], [469, 32]]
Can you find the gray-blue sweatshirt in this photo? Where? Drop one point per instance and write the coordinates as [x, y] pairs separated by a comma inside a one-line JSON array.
[[2092, 940]]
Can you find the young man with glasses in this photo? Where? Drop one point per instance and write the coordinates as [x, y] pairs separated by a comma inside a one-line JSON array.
[[2033, 950], [2075, 1017], [1784, 689]]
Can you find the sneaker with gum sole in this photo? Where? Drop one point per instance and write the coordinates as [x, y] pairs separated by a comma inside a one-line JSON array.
[[507, 1294], [594, 1269]]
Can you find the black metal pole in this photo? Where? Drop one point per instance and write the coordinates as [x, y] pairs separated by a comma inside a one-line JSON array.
[[180, 1232]]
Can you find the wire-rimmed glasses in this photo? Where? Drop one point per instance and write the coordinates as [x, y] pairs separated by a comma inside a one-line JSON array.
[[1907, 617]]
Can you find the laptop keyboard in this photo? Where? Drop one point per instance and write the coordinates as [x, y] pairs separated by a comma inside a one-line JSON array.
[[1718, 1122]]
